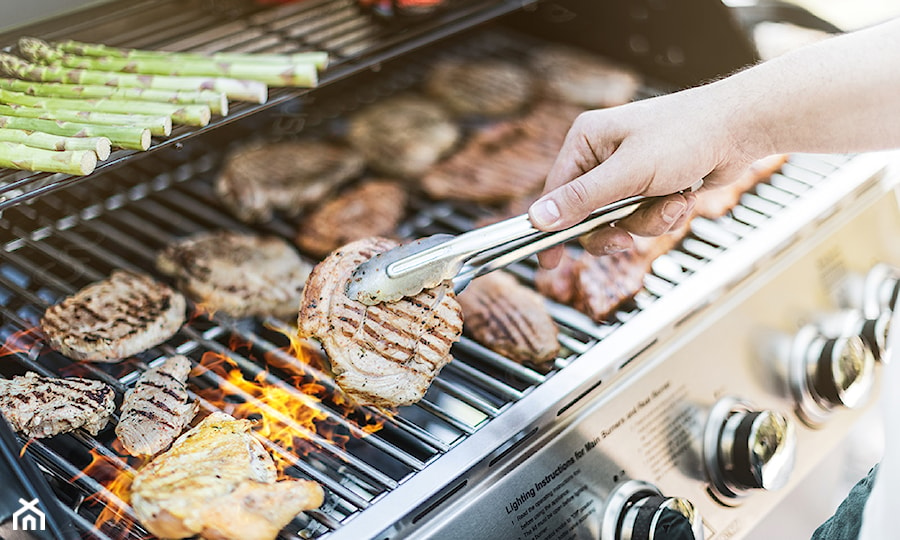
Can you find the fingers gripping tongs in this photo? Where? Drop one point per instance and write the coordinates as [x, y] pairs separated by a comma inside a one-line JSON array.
[[429, 261]]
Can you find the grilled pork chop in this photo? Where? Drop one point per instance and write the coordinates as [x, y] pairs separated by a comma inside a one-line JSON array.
[[218, 481], [122, 315], [579, 77], [157, 409], [503, 161], [509, 318], [372, 208], [387, 354], [488, 87], [238, 274], [258, 179], [44, 406], [403, 136]]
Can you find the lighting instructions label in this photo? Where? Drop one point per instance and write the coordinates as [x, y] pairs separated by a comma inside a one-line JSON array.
[[555, 507]]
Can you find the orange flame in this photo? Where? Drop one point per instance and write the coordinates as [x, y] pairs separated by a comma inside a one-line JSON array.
[[22, 341], [115, 473]]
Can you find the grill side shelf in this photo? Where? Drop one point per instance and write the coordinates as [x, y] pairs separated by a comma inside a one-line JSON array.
[[356, 43]]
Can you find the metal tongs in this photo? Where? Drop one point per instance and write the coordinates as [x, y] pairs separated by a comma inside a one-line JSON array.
[[424, 263]]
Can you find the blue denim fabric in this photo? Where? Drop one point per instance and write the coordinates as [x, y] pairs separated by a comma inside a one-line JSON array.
[[847, 519]]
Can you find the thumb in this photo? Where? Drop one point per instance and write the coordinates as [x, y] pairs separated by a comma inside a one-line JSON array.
[[571, 202]]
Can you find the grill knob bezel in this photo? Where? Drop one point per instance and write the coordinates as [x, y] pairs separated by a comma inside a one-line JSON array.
[[635, 508]]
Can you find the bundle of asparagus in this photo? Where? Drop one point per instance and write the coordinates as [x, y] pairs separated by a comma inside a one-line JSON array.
[[69, 98]]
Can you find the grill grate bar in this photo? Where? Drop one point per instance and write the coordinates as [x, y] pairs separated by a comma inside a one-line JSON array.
[[500, 362]]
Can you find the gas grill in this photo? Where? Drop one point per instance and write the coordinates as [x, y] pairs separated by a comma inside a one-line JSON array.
[[628, 420]]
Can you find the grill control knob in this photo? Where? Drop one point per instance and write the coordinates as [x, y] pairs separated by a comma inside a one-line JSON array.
[[851, 322], [825, 373], [746, 449], [874, 293], [638, 511]]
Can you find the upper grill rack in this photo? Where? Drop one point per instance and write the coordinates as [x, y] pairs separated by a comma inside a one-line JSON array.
[[356, 42]]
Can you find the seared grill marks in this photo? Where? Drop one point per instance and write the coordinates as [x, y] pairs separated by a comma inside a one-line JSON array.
[[114, 318], [387, 354], [42, 407], [157, 409]]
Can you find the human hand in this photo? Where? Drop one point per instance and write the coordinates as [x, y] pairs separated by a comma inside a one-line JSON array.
[[654, 147]]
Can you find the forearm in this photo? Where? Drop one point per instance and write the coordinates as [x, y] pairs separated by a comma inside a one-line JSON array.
[[840, 95]]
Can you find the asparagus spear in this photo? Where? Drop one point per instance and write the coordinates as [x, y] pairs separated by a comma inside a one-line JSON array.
[[158, 125], [241, 90], [302, 75], [194, 115], [121, 136], [317, 58], [36, 139], [19, 156], [216, 101]]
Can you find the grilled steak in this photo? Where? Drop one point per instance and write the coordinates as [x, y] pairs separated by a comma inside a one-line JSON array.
[[403, 136], [238, 274], [579, 77], [387, 354], [558, 283], [509, 318], [43, 406], [503, 161], [258, 179], [114, 318], [218, 481], [157, 409], [488, 87], [373, 208], [715, 203]]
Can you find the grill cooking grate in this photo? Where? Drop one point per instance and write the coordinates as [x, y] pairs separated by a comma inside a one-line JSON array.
[[64, 240]]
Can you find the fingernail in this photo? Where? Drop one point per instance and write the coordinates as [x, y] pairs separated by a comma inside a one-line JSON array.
[[544, 213], [672, 210]]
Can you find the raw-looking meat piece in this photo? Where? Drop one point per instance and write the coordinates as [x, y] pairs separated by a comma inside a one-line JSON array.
[[372, 208], [403, 136], [45, 406], [509, 318], [582, 78], [505, 160], [218, 481], [157, 409], [387, 354], [238, 274], [715, 203], [117, 317], [488, 87], [258, 179]]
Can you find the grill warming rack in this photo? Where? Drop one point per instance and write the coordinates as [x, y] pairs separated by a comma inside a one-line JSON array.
[[356, 42]]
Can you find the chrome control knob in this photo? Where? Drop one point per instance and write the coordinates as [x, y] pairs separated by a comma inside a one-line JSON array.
[[825, 373], [638, 511], [851, 322], [746, 449], [874, 293]]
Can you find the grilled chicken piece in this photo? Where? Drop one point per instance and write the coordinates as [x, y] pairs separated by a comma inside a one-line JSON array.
[[44, 406], [218, 481], [503, 161], [125, 314], [582, 78], [488, 87], [715, 203], [403, 136], [258, 179], [509, 318], [387, 354], [238, 274], [373, 208], [157, 409]]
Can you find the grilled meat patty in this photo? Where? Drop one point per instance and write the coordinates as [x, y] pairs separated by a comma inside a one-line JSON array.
[[45, 406], [218, 481], [505, 160], [509, 318], [117, 317], [488, 87], [387, 354], [238, 274], [157, 409], [258, 179], [372, 208], [404, 135], [579, 77]]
